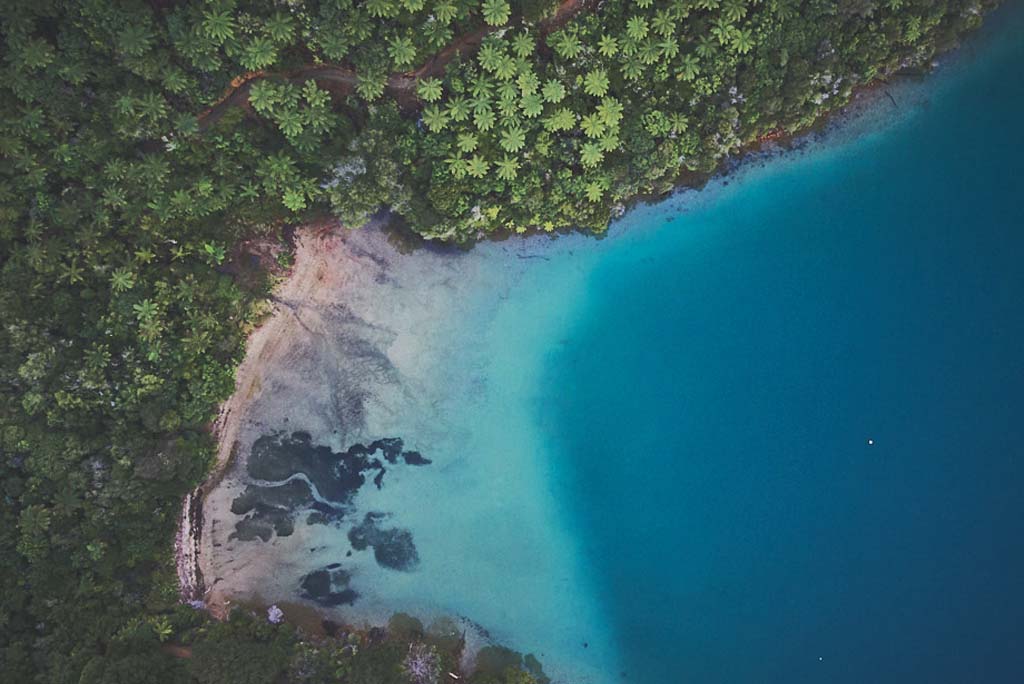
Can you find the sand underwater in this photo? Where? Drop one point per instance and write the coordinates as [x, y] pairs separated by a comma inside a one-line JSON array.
[[767, 432]]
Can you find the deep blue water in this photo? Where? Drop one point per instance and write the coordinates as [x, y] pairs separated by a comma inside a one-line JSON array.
[[713, 406]]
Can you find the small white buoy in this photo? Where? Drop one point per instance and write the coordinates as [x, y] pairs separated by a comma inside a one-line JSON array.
[[871, 442], [820, 658]]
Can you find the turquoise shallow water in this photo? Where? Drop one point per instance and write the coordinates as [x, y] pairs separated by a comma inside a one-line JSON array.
[[765, 432], [785, 424]]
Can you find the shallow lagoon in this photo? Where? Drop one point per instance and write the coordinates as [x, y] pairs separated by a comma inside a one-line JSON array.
[[766, 432]]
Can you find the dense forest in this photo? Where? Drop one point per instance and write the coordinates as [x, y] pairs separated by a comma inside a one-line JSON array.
[[141, 143]]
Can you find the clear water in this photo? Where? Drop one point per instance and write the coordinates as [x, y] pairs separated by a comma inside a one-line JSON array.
[[767, 432], [788, 426]]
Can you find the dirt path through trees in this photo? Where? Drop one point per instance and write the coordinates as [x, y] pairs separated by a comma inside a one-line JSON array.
[[342, 80]]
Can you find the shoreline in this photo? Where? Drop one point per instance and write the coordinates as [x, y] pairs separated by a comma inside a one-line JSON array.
[[775, 144], [418, 314], [308, 275], [264, 344]]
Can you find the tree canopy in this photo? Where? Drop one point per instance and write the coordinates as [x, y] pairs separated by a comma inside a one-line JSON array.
[[145, 146]]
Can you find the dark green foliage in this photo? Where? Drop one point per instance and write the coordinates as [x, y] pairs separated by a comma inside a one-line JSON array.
[[499, 665], [535, 10], [626, 99], [406, 627], [121, 326], [137, 152], [357, 659], [141, 667], [241, 650]]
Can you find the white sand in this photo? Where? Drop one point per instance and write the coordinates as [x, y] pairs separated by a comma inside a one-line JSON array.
[[368, 343]]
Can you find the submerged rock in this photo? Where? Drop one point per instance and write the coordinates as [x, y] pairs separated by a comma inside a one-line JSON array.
[[337, 476], [329, 586], [415, 458], [290, 495], [314, 479], [263, 522], [392, 547]]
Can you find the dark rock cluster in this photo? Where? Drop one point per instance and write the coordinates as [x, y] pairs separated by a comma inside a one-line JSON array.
[[293, 476], [392, 547], [329, 586]]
